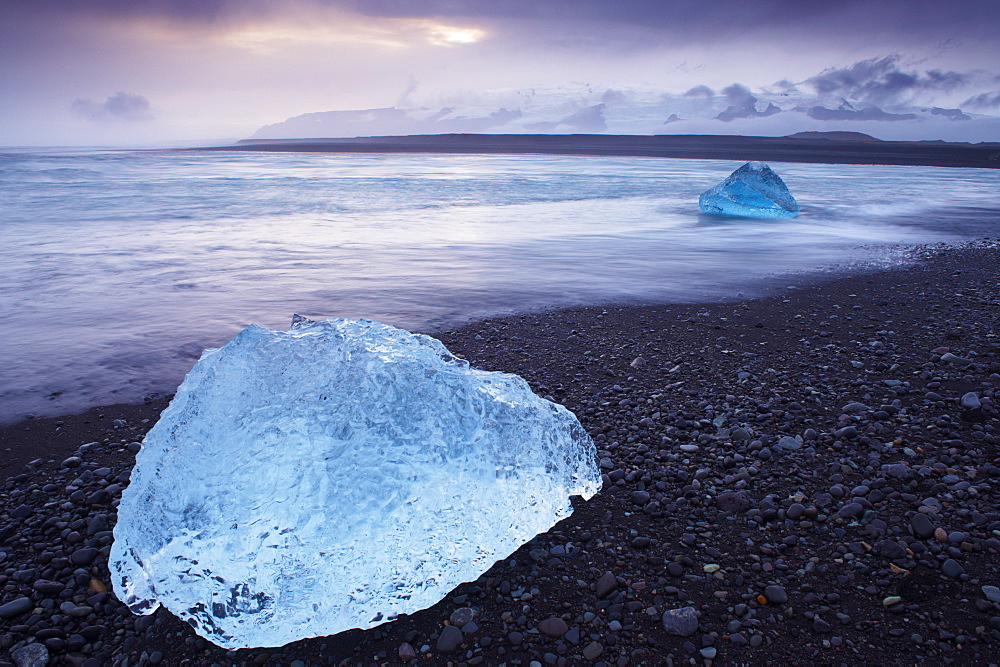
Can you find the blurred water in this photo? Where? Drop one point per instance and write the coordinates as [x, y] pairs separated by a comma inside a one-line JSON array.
[[118, 268]]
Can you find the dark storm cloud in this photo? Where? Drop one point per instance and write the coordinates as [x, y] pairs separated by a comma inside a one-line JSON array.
[[719, 14], [185, 10], [120, 106], [743, 104], [692, 19], [883, 81]]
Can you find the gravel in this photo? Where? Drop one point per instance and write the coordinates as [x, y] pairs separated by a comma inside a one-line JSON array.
[[876, 539]]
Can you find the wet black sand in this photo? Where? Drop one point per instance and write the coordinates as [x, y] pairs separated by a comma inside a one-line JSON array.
[[787, 551]]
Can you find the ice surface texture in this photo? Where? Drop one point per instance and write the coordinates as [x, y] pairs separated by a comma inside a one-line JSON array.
[[332, 476], [752, 191]]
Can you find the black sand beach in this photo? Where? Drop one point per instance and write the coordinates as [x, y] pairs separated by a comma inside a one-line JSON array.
[[818, 147], [814, 476]]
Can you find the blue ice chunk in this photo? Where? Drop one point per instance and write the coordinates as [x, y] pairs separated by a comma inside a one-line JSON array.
[[752, 191], [333, 476]]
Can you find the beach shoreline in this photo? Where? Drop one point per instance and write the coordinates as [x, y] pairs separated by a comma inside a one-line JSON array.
[[819, 150], [827, 518]]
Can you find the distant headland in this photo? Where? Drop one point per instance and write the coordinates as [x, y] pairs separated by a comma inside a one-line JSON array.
[[816, 147]]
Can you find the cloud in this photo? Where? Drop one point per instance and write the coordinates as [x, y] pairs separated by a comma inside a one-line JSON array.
[[700, 91], [743, 104], [983, 101], [882, 81], [614, 98], [912, 21], [121, 106], [951, 114], [588, 119], [846, 112]]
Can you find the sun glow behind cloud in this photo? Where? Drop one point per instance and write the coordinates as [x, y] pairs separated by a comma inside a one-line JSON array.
[[445, 35], [391, 34]]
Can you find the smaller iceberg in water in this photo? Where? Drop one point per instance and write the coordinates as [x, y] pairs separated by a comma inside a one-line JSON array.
[[752, 191]]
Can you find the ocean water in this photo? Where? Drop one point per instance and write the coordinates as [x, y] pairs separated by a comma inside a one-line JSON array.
[[118, 268]]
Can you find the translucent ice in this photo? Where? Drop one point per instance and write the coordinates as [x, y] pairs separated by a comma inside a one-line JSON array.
[[752, 191], [333, 476]]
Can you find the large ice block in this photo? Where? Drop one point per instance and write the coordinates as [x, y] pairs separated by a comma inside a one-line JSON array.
[[752, 191], [333, 476]]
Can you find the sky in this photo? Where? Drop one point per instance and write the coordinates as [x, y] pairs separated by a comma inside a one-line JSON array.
[[149, 72]]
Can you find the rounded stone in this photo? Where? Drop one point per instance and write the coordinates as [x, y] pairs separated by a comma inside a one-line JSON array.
[[733, 501], [851, 510], [553, 627], [776, 594], [605, 585], [449, 640], [32, 655], [951, 568], [682, 622], [592, 651], [15, 607], [461, 616], [921, 525]]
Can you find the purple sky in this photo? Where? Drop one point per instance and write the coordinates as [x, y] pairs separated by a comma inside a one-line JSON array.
[[146, 71]]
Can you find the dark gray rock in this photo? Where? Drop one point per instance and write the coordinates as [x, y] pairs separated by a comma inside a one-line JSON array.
[[553, 627], [890, 549], [15, 607], [921, 525], [776, 594], [84, 556], [449, 640], [32, 655], [605, 585], [951, 568], [851, 510], [592, 651], [682, 622], [733, 501]]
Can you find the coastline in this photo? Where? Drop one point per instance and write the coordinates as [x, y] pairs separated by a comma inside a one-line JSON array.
[[645, 382], [683, 146]]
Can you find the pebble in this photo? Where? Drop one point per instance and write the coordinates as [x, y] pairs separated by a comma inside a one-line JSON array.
[[733, 501], [553, 627], [461, 616], [970, 401], [605, 585], [776, 594], [406, 652], [449, 640], [593, 650], [15, 607], [851, 510], [951, 568], [682, 622], [921, 525], [950, 358], [788, 442], [32, 655], [992, 593]]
